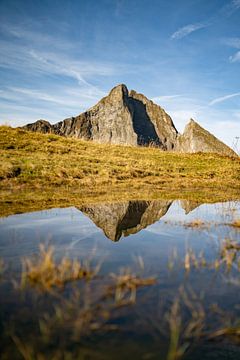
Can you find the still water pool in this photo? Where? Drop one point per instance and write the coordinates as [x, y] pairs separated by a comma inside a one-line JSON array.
[[166, 286]]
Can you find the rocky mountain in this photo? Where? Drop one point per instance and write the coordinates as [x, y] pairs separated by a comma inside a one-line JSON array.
[[122, 117], [197, 139], [130, 118]]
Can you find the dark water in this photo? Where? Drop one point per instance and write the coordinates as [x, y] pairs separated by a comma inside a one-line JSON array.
[[149, 238]]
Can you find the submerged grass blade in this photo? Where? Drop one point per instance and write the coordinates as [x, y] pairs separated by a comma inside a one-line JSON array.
[[46, 273]]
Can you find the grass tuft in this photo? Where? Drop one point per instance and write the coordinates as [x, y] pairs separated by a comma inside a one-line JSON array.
[[126, 284], [197, 223], [46, 273], [236, 223]]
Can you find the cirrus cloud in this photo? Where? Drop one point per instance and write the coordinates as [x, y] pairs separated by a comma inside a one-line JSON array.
[[186, 30], [235, 58]]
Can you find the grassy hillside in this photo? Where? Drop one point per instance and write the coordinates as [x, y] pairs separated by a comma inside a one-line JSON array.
[[41, 171]]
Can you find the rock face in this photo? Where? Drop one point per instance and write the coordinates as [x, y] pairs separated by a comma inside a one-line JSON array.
[[125, 218], [130, 118], [119, 118], [109, 121], [42, 126], [196, 139], [144, 111]]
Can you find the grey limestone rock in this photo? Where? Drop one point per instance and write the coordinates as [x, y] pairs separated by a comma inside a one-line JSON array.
[[129, 118], [119, 118], [145, 111], [197, 139], [42, 126], [109, 121]]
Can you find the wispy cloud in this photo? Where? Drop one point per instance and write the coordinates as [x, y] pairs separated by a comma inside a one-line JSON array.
[[226, 10], [223, 98], [66, 99], [236, 3], [232, 42], [19, 104], [62, 65], [70, 97], [187, 30], [55, 63], [57, 83], [230, 8], [32, 37], [165, 98], [35, 62], [235, 58], [24, 51]]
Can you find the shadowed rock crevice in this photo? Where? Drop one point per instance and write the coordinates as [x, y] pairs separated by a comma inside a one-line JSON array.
[[131, 219], [162, 122], [142, 125]]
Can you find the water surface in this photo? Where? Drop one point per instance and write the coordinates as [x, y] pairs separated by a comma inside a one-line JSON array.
[[151, 238]]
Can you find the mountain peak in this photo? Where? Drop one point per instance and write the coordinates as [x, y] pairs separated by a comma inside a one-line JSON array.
[[197, 139], [119, 90], [192, 122], [130, 118]]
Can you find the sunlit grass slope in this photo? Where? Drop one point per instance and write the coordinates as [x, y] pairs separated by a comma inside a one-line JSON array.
[[41, 171]]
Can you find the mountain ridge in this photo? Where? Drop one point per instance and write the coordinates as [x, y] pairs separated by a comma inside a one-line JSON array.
[[130, 118]]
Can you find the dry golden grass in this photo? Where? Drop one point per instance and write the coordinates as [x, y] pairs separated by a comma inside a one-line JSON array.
[[126, 284], [183, 333], [40, 171], [191, 260], [46, 273], [196, 223], [66, 324], [227, 258], [230, 254], [236, 223]]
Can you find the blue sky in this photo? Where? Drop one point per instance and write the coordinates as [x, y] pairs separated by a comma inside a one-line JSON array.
[[58, 58]]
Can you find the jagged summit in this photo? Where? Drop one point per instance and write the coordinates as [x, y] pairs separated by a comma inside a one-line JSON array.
[[191, 122], [196, 139], [129, 118], [122, 117], [120, 89]]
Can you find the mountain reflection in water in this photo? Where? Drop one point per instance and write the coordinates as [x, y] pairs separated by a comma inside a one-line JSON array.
[[191, 250], [129, 217]]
